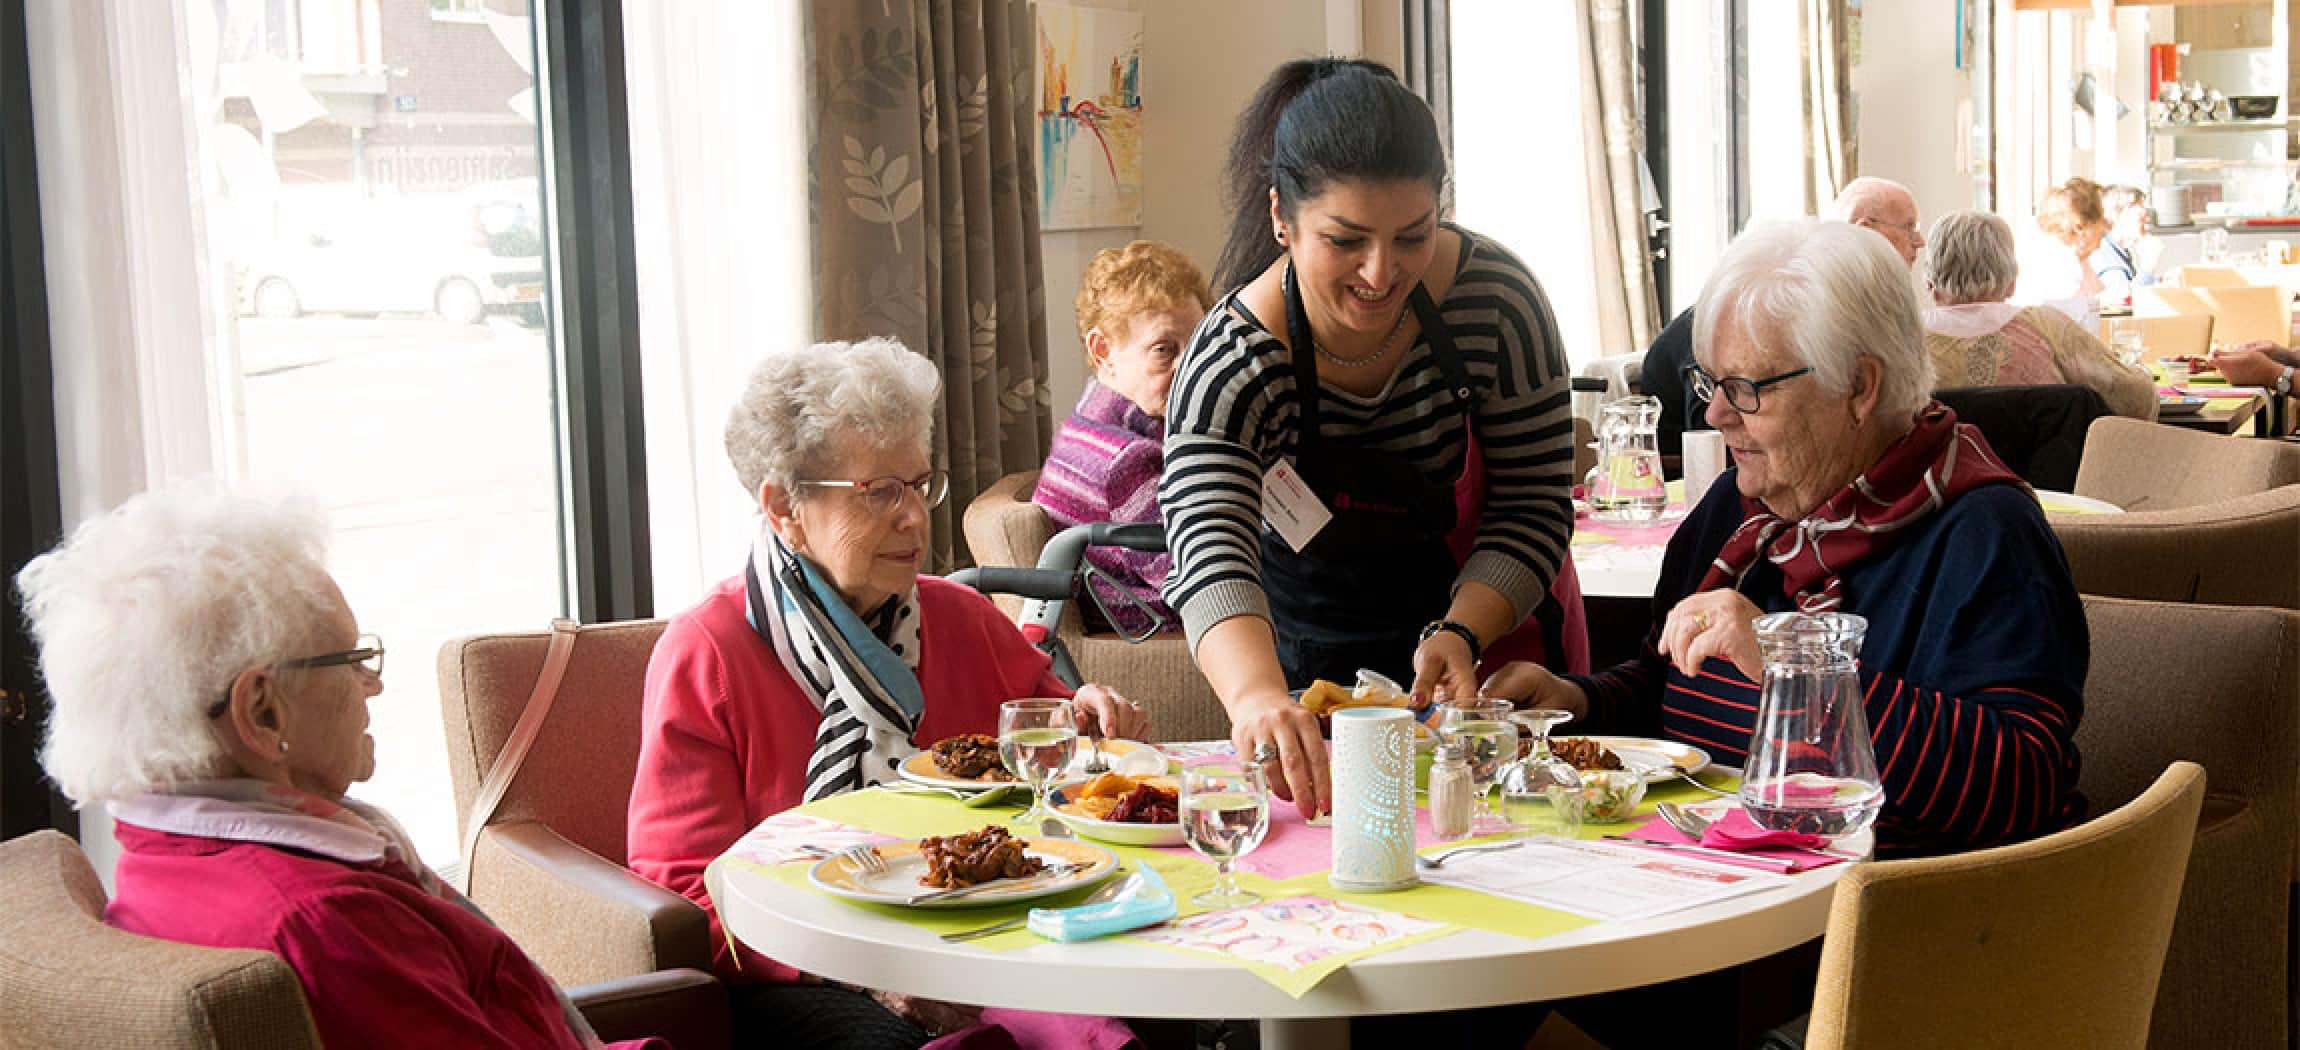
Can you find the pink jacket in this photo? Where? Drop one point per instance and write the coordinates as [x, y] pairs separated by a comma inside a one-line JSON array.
[[726, 734], [382, 962]]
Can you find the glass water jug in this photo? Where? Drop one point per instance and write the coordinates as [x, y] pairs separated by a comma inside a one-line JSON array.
[[1812, 765], [1626, 485]]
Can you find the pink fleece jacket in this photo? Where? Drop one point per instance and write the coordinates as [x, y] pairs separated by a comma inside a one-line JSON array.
[[382, 963]]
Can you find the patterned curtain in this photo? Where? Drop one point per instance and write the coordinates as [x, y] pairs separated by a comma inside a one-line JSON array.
[[1628, 311], [925, 209], [1831, 157]]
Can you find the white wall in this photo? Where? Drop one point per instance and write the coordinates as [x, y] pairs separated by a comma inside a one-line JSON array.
[[1194, 81], [1910, 92]]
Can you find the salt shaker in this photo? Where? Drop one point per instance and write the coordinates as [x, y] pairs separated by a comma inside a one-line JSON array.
[[1450, 792]]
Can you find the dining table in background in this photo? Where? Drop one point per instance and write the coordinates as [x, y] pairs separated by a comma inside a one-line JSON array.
[[769, 908]]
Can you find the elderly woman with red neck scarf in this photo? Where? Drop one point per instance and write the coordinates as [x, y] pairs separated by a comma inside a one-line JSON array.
[[211, 685], [822, 666], [1853, 491]]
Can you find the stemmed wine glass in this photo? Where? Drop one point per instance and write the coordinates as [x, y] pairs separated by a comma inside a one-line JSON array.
[[1538, 791], [1484, 731], [1225, 813], [1036, 740]]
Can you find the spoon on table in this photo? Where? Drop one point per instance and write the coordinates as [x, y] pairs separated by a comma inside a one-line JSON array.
[[1688, 823]]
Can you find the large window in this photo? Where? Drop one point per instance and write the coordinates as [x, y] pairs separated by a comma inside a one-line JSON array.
[[376, 224]]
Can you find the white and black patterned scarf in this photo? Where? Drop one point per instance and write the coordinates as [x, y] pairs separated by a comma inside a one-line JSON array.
[[862, 675]]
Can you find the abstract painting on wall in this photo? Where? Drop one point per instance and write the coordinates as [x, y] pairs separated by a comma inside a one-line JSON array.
[[1089, 118]]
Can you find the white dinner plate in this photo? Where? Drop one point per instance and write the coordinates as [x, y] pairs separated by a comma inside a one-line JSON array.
[[899, 883], [1652, 757], [1118, 831], [1125, 756]]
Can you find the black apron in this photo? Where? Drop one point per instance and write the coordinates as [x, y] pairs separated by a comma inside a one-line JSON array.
[[1363, 587]]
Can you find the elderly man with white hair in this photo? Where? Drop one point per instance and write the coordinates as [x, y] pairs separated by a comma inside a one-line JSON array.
[[211, 684], [824, 665], [1853, 491], [1880, 205]]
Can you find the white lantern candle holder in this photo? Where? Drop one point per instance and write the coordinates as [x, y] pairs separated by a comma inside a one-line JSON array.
[[1373, 755]]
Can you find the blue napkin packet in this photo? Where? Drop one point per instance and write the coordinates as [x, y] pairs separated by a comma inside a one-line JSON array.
[[1147, 902]]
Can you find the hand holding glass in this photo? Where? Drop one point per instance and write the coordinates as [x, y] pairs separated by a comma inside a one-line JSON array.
[[1225, 813], [1036, 740]]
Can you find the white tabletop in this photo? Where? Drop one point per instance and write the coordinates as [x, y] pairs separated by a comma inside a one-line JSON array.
[[1630, 567], [1469, 968]]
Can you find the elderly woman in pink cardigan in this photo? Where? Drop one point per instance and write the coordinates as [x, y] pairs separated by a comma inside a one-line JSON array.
[[1137, 306]]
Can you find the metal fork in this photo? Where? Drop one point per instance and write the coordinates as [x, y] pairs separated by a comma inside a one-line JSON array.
[[1687, 776], [1096, 765], [864, 859]]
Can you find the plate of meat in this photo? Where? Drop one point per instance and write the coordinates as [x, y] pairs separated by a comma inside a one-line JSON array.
[[1128, 810], [1654, 759], [969, 762], [1007, 867]]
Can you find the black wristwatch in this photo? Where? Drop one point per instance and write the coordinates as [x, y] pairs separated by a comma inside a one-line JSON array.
[[1462, 630]]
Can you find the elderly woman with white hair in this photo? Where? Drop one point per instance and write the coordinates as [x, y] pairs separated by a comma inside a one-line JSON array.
[[1976, 338], [826, 663], [1853, 491], [211, 685]]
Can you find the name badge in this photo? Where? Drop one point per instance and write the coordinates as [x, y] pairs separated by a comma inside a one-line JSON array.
[[1289, 507]]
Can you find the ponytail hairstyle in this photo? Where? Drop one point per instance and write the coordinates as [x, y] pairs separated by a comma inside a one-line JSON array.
[[1313, 121]]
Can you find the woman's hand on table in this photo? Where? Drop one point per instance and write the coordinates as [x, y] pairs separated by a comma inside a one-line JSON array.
[[1443, 669], [1301, 772], [1115, 715], [1713, 623], [1529, 684], [2256, 363]]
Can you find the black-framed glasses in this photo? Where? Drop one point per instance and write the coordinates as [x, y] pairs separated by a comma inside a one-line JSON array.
[[1743, 394], [366, 654], [884, 495]]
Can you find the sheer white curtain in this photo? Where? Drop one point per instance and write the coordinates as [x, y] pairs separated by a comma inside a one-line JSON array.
[[718, 145], [141, 395]]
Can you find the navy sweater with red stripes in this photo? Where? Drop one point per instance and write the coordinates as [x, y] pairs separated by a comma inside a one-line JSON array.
[[1973, 664]]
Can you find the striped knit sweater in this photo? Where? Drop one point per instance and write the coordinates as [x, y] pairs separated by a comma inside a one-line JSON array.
[[1973, 668], [1232, 415], [1103, 466]]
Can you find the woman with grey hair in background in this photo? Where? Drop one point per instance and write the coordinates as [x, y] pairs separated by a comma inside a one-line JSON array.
[[1853, 491], [1976, 338], [211, 685], [826, 663]]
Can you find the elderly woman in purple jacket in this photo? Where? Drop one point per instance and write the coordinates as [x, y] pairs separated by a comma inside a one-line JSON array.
[[1137, 306]]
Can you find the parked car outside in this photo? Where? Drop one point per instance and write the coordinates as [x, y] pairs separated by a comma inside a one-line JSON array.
[[442, 256]]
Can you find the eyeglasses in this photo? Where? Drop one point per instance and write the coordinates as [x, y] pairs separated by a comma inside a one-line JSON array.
[[884, 495], [1740, 393], [1880, 225], [367, 655]]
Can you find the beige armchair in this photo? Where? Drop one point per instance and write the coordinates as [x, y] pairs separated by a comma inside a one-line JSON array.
[[2242, 551], [549, 866], [68, 981], [1004, 528], [2058, 941], [2219, 686], [2150, 466]]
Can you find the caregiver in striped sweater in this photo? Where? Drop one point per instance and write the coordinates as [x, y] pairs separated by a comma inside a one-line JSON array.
[[1853, 491], [1366, 350]]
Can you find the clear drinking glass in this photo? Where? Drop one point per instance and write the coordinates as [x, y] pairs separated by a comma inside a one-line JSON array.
[[1812, 766], [2124, 339], [1538, 791], [1489, 738], [1036, 740], [1225, 813]]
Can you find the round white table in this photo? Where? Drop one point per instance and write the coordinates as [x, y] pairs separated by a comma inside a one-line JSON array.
[[1114, 977]]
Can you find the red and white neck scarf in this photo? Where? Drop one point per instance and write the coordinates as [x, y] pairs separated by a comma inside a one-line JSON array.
[[1938, 460]]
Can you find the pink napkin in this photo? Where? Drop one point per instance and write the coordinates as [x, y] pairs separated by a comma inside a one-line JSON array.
[[1735, 831], [1781, 857]]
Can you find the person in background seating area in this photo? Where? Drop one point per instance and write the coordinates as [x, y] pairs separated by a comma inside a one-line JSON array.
[[1879, 205], [1852, 491], [211, 685], [2055, 260], [1977, 339], [2118, 260], [822, 666], [1136, 308]]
